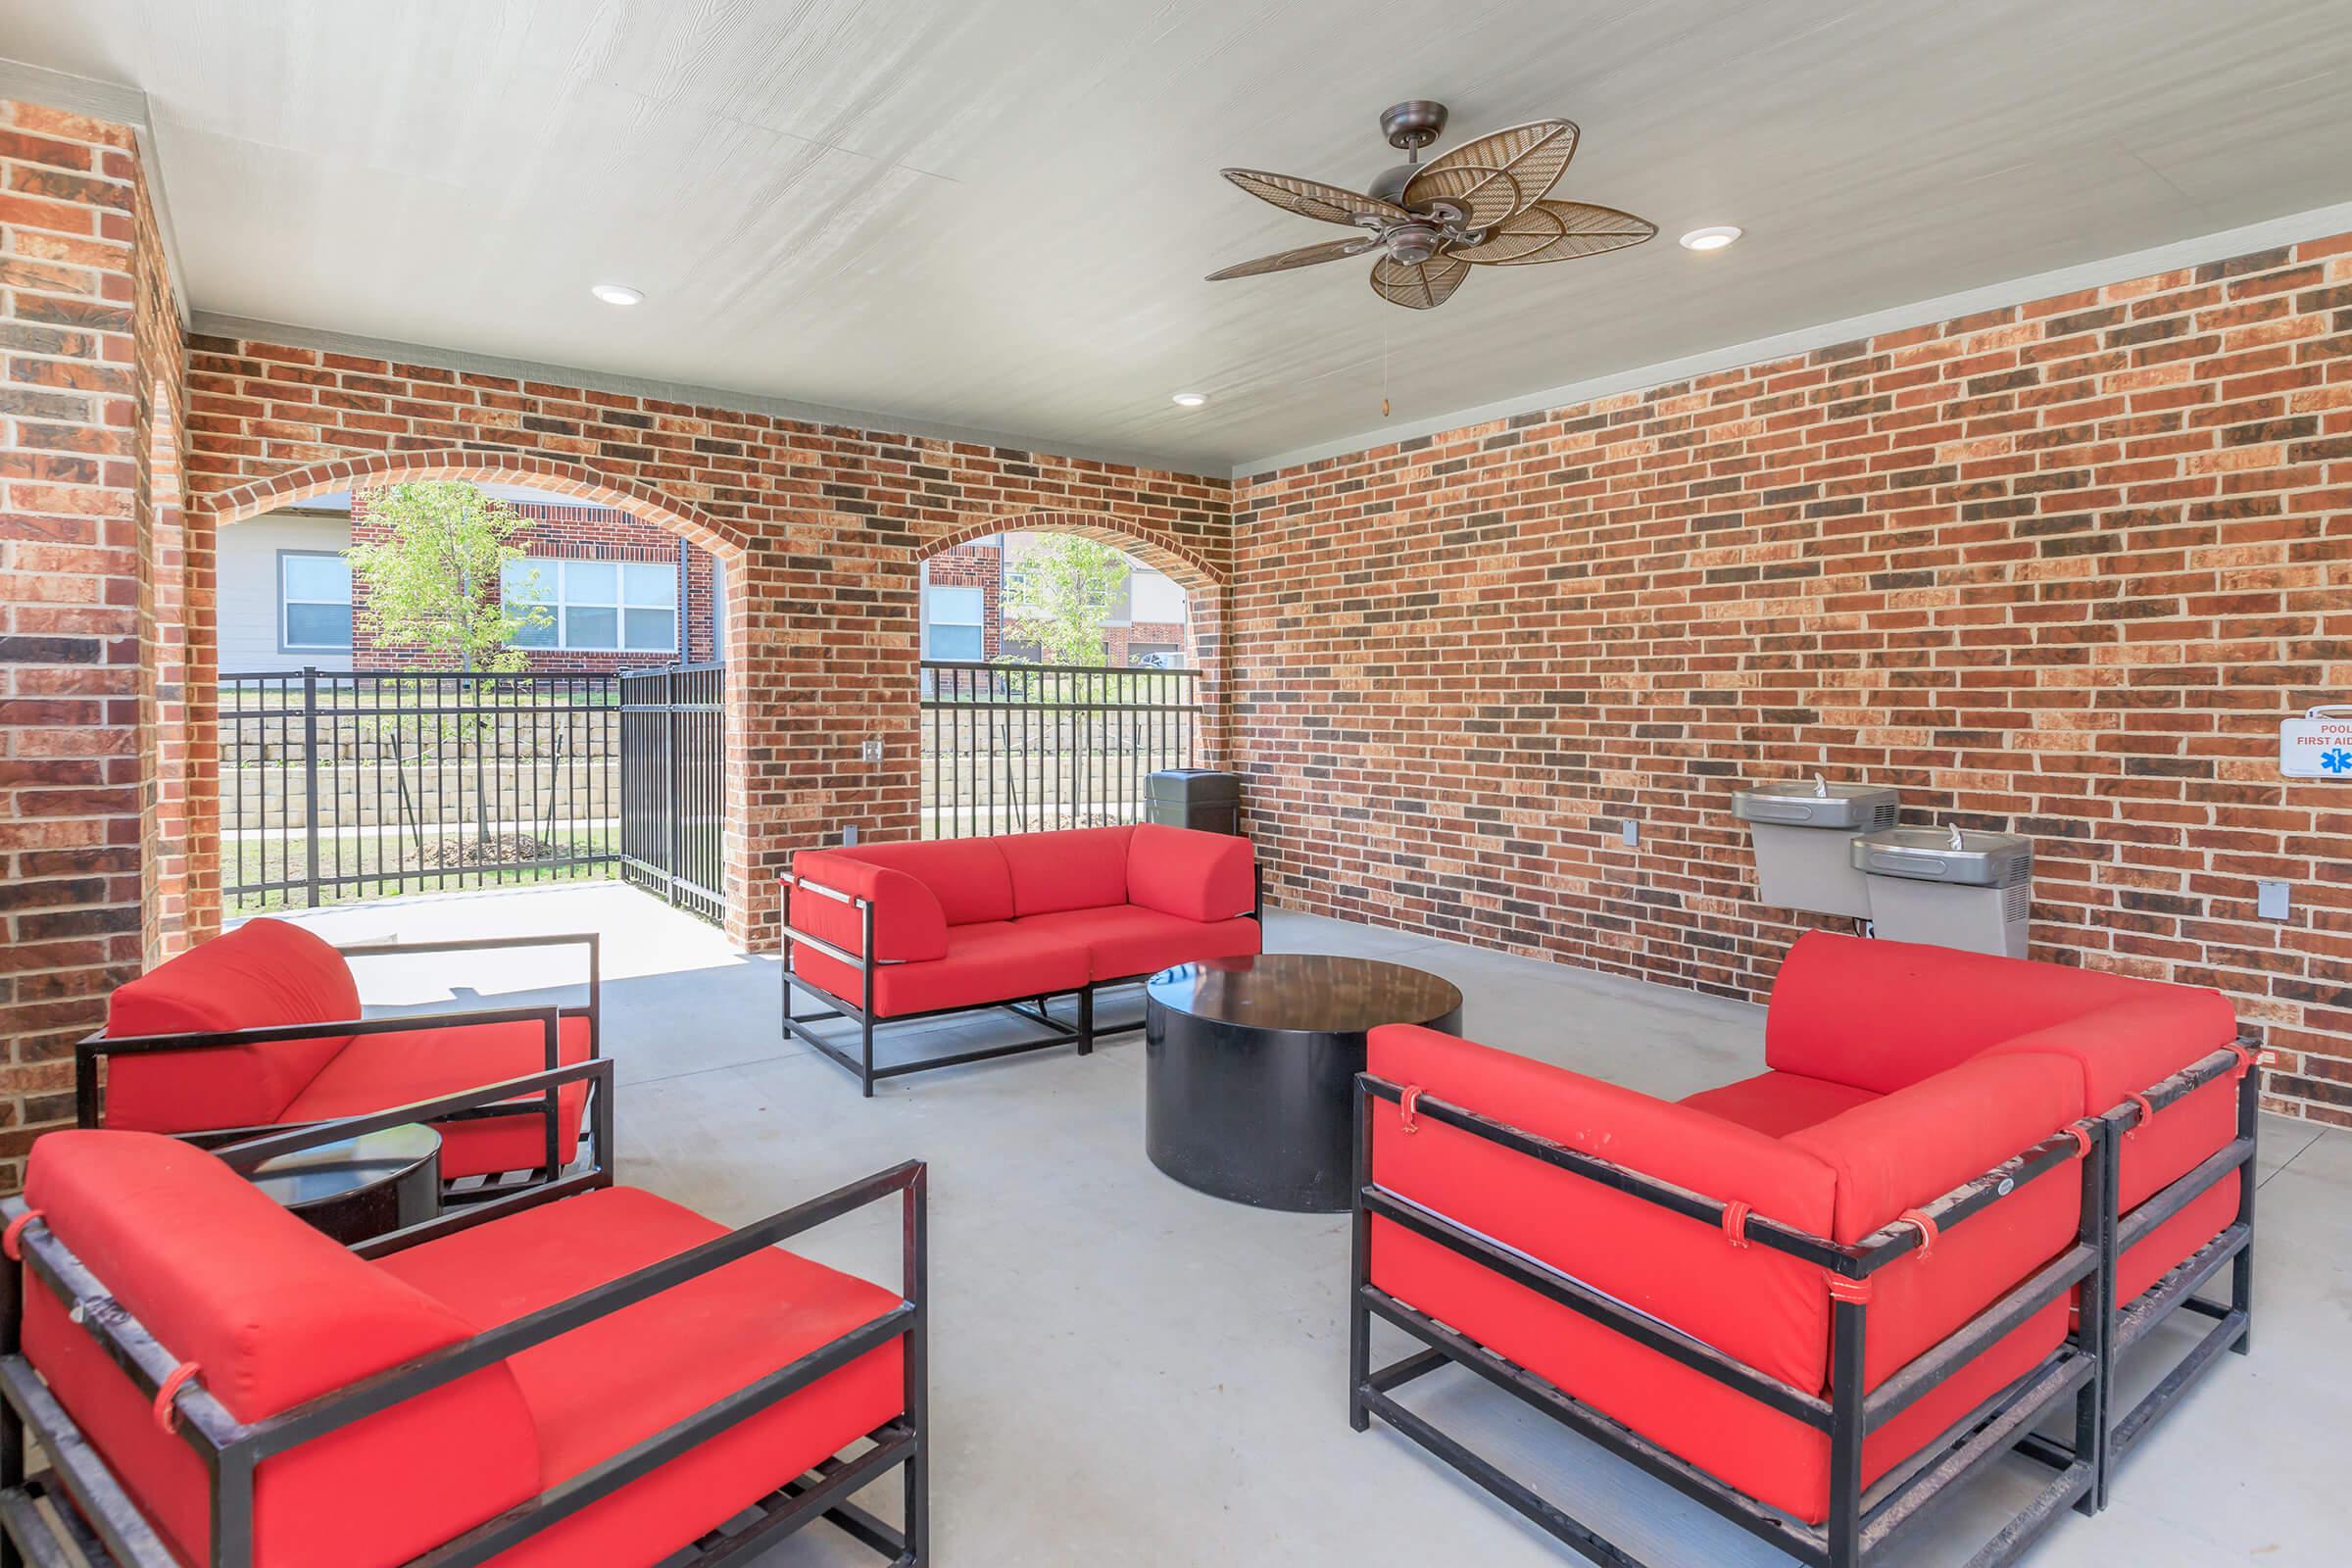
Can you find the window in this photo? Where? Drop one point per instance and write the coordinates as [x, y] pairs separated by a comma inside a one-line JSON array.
[[609, 605], [314, 600], [951, 619]]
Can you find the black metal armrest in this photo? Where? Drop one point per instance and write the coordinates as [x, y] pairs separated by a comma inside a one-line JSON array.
[[591, 940], [89, 1048], [793, 935]]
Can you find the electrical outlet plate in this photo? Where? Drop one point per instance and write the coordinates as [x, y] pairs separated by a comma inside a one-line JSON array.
[[2272, 900], [1629, 831], [872, 751]]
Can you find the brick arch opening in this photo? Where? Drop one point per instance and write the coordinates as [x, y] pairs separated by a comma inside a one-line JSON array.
[[724, 540], [1205, 583]]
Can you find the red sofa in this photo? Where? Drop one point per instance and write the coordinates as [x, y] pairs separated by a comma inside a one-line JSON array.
[[1783, 1292], [598, 1378], [262, 1027], [886, 932]]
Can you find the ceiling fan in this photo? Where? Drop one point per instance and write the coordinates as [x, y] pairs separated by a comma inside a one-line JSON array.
[[1482, 204]]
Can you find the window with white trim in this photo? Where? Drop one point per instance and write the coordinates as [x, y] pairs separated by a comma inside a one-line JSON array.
[[606, 605], [314, 600], [951, 623]]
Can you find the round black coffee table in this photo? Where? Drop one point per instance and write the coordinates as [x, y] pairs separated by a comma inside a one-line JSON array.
[[1249, 1069], [361, 1187]]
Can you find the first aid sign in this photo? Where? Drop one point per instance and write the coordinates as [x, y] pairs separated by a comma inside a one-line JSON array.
[[2317, 747]]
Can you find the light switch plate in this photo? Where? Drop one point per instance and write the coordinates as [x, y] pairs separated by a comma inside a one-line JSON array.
[[871, 751], [2271, 900]]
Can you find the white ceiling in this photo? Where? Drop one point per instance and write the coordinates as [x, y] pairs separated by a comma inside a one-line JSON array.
[[996, 214]]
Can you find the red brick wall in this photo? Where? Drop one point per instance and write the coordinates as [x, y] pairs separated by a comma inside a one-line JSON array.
[[89, 369], [1117, 640], [557, 532], [822, 528], [2059, 568]]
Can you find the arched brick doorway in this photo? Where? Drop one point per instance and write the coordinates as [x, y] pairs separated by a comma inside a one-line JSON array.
[[207, 515], [1205, 585]]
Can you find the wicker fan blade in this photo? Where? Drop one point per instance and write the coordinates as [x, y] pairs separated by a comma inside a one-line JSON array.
[[1337, 250], [1497, 177], [1423, 287], [1311, 198], [1557, 231]]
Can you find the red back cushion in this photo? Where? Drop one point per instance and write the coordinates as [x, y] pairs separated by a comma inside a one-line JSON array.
[[1191, 874], [1760, 1307], [1906, 1149], [909, 923], [1081, 868], [264, 973], [967, 876], [272, 1313], [1881, 1015]]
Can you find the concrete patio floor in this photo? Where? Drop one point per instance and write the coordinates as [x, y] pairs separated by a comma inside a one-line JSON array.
[[1127, 1372]]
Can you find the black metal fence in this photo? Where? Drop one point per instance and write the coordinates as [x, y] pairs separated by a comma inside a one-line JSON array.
[[352, 785], [1026, 747], [674, 801]]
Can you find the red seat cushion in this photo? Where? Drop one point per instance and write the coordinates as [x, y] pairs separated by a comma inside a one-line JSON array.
[[1879, 1015], [274, 1313], [1777, 1104], [264, 973], [1081, 868], [1129, 939], [967, 876], [603, 1387], [1182, 871], [999, 961], [375, 1072]]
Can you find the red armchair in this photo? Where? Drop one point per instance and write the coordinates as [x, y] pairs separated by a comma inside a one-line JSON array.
[[551, 1377], [889, 932], [263, 1027], [1815, 1298]]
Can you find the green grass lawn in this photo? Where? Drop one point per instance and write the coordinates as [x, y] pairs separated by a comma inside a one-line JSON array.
[[386, 864]]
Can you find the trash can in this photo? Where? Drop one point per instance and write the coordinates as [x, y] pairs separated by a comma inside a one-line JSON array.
[[1194, 796], [1804, 833], [1949, 886]]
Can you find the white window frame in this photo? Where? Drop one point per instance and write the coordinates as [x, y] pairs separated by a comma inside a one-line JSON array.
[[978, 623], [285, 639], [555, 580]]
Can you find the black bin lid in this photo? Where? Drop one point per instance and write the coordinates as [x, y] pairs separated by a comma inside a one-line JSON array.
[[1193, 784]]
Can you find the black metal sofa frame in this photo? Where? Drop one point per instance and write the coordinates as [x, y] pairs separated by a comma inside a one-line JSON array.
[[108, 1531], [1082, 1032], [1861, 1525], [456, 1192]]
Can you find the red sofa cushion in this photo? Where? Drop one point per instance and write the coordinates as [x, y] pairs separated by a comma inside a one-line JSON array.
[[967, 876], [1127, 939], [614, 1381], [264, 973], [274, 1314], [1760, 1307], [1777, 1104], [1003, 961], [1182, 871], [375, 1072], [909, 923], [1081, 868], [1881, 1015]]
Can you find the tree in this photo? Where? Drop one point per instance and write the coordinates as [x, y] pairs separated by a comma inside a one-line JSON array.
[[1060, 592], [437, 582]]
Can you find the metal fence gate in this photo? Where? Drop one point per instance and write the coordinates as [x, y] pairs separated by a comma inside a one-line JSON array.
[[338, 785], [673, 799]]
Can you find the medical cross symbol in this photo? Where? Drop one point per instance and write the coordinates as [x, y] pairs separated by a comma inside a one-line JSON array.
[[2339, 761]]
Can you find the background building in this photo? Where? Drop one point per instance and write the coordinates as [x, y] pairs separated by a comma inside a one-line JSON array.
[[963, 609]]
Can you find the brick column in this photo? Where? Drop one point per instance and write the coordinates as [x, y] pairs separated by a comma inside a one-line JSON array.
[[79, 279]]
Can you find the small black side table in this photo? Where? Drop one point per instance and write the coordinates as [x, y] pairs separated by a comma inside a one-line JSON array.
[[1249, 1069], [362, 1187]]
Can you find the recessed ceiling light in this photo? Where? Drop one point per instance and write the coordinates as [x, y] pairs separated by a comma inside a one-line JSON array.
[[1188, 400], [616, 293], [1710, 239]]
